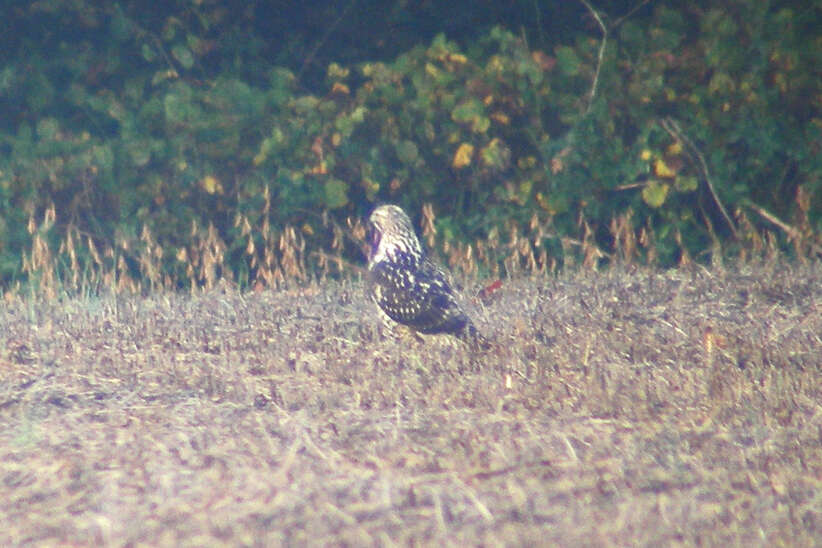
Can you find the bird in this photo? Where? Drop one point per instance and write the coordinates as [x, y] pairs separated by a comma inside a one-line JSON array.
[[407, 286]]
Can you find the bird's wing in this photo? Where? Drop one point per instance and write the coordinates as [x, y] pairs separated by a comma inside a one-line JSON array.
[[418, 297]]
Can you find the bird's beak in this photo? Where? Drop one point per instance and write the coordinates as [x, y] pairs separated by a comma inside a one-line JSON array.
[[374, 236]]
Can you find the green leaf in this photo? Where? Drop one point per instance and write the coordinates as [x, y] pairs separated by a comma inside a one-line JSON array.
[[120, 25], [407, 152], [139, 153], [183, 56], [721, 82], [47, 129], [531, 70], [103, 157], [8, 77], [336, 193], [306, 104], [471, 112], [496, 155], [686, 183], [280, 81], [654, 193], [568, 61]]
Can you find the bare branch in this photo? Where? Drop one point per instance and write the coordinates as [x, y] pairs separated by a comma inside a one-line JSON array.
[[791, 231], [625, 17], [673, 129], [601, 55], [321, 42]]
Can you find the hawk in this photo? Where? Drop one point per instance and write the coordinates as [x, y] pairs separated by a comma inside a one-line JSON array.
[[408, 288]]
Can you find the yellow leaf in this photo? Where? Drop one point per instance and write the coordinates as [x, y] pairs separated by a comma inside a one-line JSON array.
[[371, 187], [496, 64], [337, 71], [463, 155], [431, 70], [661, 169], [524, 191], [543, 203], [211, 184], [496, 154], [654, 193], [675, 149], [319, 169], [645, 154], [501, 118]]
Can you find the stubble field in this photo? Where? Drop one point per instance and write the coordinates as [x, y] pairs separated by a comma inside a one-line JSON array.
[[618, 408]]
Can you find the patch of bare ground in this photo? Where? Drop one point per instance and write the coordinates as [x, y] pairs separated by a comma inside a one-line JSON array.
[[622, 408]]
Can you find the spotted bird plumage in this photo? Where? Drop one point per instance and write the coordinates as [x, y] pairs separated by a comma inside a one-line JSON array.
[[408, 288]]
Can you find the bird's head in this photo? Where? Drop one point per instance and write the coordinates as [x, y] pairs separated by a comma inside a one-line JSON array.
[[390, 233]]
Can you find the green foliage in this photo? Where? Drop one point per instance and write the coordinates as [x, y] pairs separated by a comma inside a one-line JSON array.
[[171, 121]]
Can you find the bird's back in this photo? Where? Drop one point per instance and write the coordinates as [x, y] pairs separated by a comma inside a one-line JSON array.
[[416, 294]]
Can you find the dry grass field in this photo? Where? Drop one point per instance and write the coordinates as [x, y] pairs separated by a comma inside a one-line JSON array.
[[630, 407]]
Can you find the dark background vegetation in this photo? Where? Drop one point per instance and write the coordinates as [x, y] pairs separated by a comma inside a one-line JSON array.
[[137, 138]]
